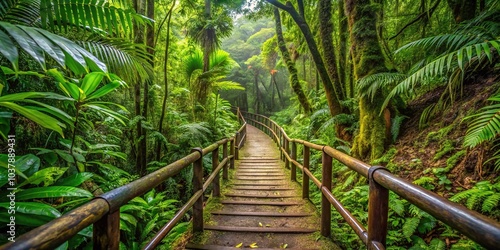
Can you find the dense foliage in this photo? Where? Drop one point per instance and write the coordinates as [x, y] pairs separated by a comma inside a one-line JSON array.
[[99, 93]]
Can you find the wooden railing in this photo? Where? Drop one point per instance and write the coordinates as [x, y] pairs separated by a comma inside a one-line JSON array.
[[474, 225], [104, 211]]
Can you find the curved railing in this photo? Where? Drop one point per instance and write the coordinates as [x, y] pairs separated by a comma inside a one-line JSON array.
[[474, 225], [104, 211]]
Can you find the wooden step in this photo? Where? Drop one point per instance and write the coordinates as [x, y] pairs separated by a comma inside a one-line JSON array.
[[262, 203], [266, 196], [260, 179], [263, 188], [260, 214], [261, 229], [259, 174], [256, 184], [217, 247]]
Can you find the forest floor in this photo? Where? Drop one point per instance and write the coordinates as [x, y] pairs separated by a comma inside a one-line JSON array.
[[436, 150], [260, 199]]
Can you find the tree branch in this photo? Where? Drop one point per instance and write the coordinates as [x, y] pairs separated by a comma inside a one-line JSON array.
[[422, 15], [280, 5]]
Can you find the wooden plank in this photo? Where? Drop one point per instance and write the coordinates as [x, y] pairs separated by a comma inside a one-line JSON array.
[[267, 196], [261, 229], [260, 214], [262, 203]]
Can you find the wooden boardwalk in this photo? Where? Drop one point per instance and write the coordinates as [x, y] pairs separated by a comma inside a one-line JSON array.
[[260, 207]]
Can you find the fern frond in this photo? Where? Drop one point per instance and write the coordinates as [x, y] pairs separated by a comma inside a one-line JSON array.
[[485, 125], [444, 64], [424, 180], [490, 202], [410, 226], [372, 84], [396, 126], [463, 195], [437, 244], [475, 200]]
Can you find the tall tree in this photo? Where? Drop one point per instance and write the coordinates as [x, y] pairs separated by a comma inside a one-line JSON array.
[[368, 59], [330, 91], [294, 78], [139, 6]]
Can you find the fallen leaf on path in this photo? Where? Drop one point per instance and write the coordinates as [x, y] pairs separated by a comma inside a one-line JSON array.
[[239, 245], [253, 245]]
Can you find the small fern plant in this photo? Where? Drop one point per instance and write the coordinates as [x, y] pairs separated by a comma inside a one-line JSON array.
[[484, 197], [484, 127]]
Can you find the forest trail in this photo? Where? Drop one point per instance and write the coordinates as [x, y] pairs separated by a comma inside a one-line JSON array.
[[260, 207]]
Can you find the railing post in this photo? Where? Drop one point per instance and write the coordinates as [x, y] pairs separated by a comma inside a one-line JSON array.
[[305, 177], [215, 163], [236, 146], [198, 185], [232, 151], [326, 208], [287, 150], [106, 233], [378, 203], [224, 156], [293, 174]]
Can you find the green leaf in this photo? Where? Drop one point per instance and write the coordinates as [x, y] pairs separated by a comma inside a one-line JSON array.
[[52, 192], [91, 81], [33, 208], [9, 50], [74, 179], [36, 116], [25, 42], [28, 164], [104, 90], [47, 175]]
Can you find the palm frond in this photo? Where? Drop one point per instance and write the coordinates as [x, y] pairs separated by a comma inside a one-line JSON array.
[[24, 12], [115, 17], [128, 60]]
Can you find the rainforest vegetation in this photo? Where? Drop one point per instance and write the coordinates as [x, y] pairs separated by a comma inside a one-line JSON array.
[[97, 93]]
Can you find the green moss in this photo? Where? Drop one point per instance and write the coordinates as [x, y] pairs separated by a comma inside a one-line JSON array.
[[438, 135], [446, 147], [387, 157], [453, 160]]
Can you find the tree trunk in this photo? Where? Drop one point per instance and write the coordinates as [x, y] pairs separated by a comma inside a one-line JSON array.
[[326, 37], [294, 78], [463, 9], [368, 59], [139, 38], [331, 96], [165, 81]]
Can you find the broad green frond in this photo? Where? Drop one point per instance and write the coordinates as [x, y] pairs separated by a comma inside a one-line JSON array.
[[228, 85], [38, 43], [485, 125]]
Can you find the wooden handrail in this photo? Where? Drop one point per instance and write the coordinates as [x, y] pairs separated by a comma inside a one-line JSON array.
[[481, 229], [104, 211]]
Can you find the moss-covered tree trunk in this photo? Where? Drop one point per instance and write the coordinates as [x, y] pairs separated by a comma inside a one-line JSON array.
[[331, 97], [368, 59], [290, 65]]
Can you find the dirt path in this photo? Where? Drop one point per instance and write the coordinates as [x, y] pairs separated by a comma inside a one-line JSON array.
[[260, 206]]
